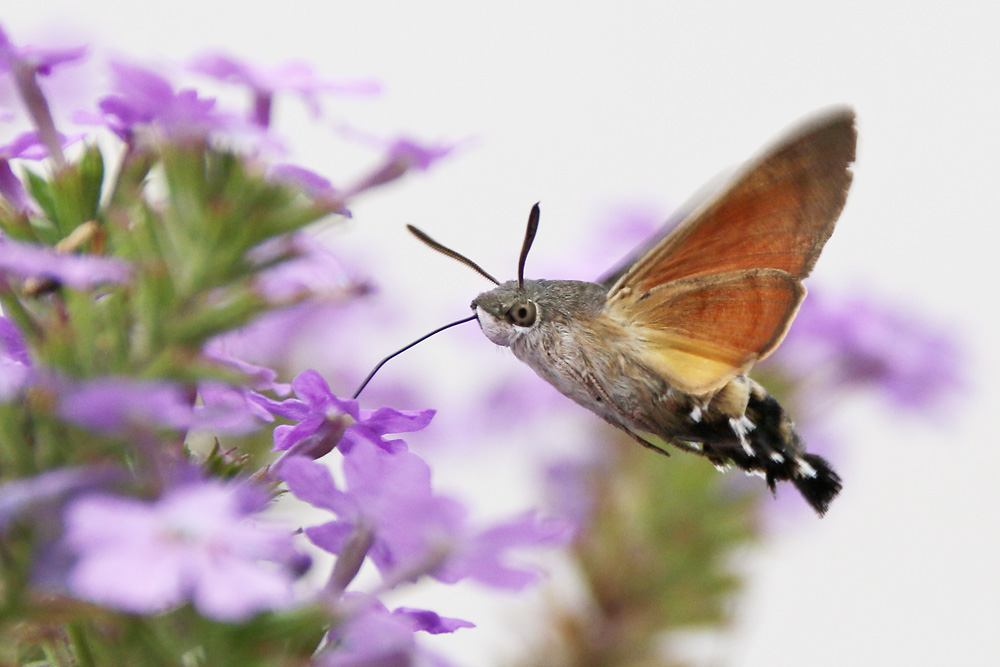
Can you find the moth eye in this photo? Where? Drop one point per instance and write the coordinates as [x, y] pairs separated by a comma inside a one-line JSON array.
[[523, 314]]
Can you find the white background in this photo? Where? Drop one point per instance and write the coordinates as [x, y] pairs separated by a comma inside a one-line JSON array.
[[584, 106]]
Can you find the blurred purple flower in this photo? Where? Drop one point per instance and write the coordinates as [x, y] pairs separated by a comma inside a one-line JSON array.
[[319, 412], [400, 156], [39, 493], [243, 398], [24, 65], [312, 270], [483, 556], [390, 496], [229, 408], [12, 345], [569, 490], [317, 187], [265, 82], [429, 621], [29, 146], [259, 378], [116, 404], [376, 636], [15, 365], [38, 59], [199, 542], [856, 342], [146, 101], [11, 188], [25, 146], [28, 260]]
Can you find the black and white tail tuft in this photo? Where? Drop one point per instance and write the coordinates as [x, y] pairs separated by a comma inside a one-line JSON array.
[[764, 442]]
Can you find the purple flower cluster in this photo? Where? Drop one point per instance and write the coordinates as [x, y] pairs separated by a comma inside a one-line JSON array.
[[202, 542], [387, 496], [387, 512], [149, 533], [145, 105]]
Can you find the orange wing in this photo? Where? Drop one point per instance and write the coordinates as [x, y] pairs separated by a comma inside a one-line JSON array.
[[720, 291], [777, 213], [701, 332]]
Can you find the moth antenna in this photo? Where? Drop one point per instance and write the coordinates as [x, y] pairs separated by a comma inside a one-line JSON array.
[[451, 253], [529, 238], [407, 347]]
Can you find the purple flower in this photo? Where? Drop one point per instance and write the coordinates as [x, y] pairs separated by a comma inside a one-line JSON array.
[[241, 399], [320, 413], [199, 542], [146, 102], [388, 495], [319, 188], [429, 621], [412, 530], [36, 58], [15, 365], [12, 190], [855, 342], [24, 65], [116, 404], [376, 636], [569, 489], [26, 146], [401, 156], [229, 409], [259, 378], [483, 555], [296, 77], [28, 260], [29, 146], [37, 494], [313, 270]]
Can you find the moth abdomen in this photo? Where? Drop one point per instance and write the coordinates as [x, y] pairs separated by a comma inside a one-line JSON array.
[[764, 441]]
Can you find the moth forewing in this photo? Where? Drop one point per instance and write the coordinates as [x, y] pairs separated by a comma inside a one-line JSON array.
[[777, 212], [702, 332]]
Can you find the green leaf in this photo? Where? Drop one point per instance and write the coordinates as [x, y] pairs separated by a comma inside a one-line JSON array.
[[41, 191], [91, 181]]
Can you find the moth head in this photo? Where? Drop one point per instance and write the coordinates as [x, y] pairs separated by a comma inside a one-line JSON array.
[[507, 312]]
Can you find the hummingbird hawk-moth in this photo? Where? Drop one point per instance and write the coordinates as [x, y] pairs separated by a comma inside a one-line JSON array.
[[661, 346]]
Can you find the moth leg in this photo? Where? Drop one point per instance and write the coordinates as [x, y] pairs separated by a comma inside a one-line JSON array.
[[590, 382], [642, 441]]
